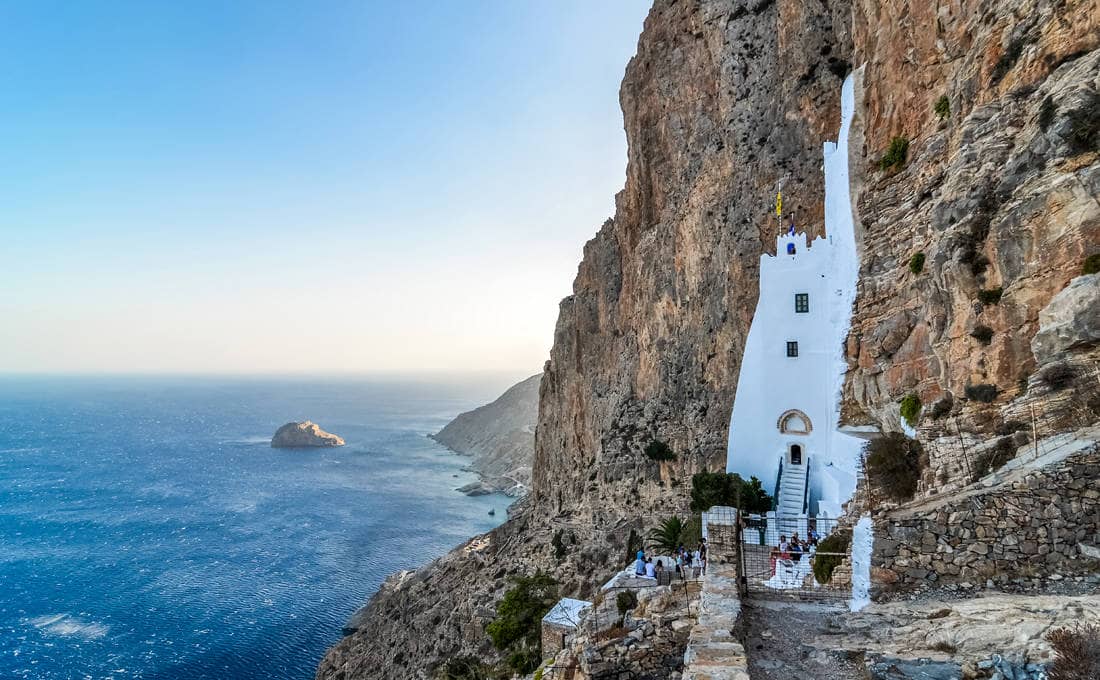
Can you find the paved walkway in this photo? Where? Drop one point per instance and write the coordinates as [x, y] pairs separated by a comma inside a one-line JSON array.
[[713, 652]]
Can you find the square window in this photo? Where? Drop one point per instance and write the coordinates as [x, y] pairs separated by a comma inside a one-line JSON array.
[[792, 348], [801, 303]]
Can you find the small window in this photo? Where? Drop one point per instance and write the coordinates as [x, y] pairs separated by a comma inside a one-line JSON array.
[[801, 303], [792, 348]]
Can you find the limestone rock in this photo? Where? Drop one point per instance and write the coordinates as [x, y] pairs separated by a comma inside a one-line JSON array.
[[1072, 319], [305, 434], [499, 438]]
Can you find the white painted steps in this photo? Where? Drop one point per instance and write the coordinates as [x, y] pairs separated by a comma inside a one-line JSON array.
[[792, 490]]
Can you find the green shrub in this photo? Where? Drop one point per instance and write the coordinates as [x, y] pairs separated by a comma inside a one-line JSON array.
[[464, 668], [1007, 60], [1091, 264], [625, 602], [659, 450], [982, 333], [1084, 126], [517, 628], [994, 458], [942, 107], [1057, 376], [942, 406], [720, 488], [893, 464], [1076, 652], [990, 296], [836, 542], [916, 263], [896, 154], [1046, 113], [982, 392], [910, 409], [558, 544]]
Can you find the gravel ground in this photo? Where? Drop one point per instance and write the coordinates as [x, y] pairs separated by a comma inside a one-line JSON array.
[[777, 637]]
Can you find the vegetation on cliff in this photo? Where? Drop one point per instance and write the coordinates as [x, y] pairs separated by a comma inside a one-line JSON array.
[[721, 488], [894, 464], [516, 631]]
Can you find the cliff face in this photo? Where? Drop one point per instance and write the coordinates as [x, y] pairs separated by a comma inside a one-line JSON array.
[[724, 99], [1002, 197], [499, 437]]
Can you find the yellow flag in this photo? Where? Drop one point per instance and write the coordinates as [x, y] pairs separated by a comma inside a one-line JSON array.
[[779, 204]]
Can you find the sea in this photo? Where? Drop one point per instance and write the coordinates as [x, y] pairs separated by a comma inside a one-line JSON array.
[[149, 530]]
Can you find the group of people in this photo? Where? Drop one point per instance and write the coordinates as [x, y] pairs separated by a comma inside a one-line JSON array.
[[794, 548], [687, 563]]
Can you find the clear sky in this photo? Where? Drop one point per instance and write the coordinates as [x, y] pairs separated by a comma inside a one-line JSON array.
[[270, 186]]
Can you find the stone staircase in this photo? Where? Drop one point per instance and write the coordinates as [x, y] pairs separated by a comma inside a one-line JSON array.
[[713, 653], [792, 490]]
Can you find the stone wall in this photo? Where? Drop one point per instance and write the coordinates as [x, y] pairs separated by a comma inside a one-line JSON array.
[[1025, 522]]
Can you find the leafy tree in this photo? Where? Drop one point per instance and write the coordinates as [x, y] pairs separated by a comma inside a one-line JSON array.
[[916, 263], [824, 563], [517, 627], [720, 488]]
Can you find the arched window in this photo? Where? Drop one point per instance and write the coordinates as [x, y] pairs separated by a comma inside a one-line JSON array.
[[795, 422]]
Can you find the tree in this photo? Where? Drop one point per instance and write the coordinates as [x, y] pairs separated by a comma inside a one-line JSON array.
[[667, 537], [517, 627], [719, 488], [894, 464], [464, 668]]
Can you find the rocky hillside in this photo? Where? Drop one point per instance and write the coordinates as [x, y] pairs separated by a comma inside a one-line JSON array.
[[499, 437], [999, 196], [723, 99]]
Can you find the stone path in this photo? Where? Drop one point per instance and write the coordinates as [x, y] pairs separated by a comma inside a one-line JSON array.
[[713, 652]]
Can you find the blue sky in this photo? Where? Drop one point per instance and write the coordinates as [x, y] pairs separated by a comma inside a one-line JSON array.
[[301, 187]]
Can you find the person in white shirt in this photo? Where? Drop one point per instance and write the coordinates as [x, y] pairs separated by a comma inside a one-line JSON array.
[[650, 570]]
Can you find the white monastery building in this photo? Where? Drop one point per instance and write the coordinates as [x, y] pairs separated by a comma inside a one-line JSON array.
[[783, 429]]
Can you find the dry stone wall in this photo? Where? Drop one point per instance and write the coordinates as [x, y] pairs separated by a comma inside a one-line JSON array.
[[1031, 524]]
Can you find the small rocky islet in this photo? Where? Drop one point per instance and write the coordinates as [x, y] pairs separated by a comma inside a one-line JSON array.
[[304, 434]]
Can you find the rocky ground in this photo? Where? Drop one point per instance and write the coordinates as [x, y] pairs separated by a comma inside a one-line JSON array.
[[780, 640]]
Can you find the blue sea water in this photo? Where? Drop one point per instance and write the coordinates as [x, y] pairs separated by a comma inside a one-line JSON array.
[[148, 530]]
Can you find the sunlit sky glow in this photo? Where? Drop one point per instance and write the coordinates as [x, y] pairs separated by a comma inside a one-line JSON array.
[[301, 187]]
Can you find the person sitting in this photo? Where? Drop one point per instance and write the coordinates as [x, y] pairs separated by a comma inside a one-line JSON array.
[[650, 570], [795, 549], [639, 565]]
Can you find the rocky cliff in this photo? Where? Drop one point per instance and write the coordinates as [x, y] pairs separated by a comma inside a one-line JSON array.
[[499, 438], [999, 197], [723, 100], [305, 434]]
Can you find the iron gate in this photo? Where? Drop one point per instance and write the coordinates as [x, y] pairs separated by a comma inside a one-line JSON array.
[[788, 557]]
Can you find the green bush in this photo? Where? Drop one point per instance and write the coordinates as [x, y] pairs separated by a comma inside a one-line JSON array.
[[659, 450], [982, 333], [720, 488], [625, 602], [982, 392], [836, 542], [1091, 264], [1057, 376], [1084, 126], [896, 154], [558, 544], [517, 629], [1046, 113], [894, 463], [910, 409], [990, 296], [464, 668], [942, 406], [916, 263], [942, 107]]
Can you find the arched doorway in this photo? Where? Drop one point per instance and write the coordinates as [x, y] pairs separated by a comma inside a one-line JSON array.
[[796, 454]]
